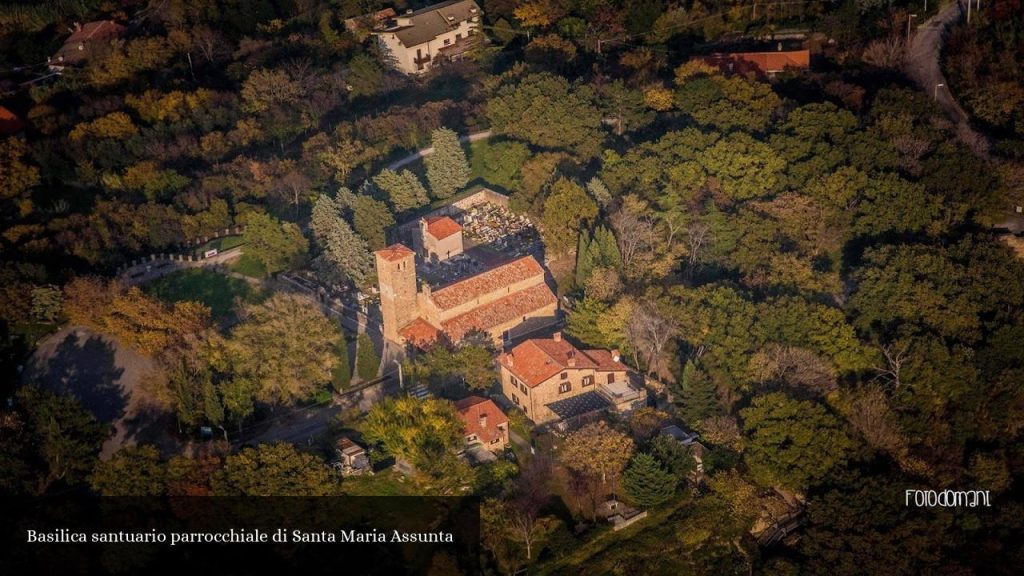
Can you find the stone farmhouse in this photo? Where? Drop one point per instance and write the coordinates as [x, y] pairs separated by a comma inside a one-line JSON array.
[[419, 40], [505, 301], [553, 381]]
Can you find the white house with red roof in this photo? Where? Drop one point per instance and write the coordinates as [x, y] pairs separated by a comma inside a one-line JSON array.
[[551, 380]]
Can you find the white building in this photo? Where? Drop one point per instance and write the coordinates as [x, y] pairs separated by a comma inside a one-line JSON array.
[[417, 41]]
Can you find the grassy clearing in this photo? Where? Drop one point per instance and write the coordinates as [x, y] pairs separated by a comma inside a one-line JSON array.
[[387, 483], [249, 266], [213, 289]]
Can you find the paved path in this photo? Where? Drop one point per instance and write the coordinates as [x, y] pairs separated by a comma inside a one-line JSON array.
[[428, 151], [923, 66], [147, 271]]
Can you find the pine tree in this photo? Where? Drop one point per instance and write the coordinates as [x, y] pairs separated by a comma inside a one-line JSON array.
[[646, 482], [583, 321], [403, 189], [367, 360], [344, 253], [447, 168], [698, 399], [341, 376]]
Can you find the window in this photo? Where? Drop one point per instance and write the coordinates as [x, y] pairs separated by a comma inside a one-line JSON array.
[[458, 37], [564, 387], [563, 375], [514, 381], [447, 41], [611, 377], [588, 380], [515, 400]]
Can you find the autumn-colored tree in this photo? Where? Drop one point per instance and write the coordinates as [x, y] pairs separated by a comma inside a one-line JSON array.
[[597, 450], [130, 316], [285, 346], [420, 431]]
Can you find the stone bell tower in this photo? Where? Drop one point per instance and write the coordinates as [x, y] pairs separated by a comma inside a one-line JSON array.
[[396, 278]]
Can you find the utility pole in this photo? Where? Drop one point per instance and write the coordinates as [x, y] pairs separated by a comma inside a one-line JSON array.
[[969, 3], [936, 96], [910, 19], [598, 45]]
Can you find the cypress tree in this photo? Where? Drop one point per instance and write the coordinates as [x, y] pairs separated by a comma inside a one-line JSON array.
[[342, 373], [584, 260], [606, 249], [367, 359]]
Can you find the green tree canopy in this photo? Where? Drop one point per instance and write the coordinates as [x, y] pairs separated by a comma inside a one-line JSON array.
[[793, 443], [278, 245], [131, 471], [421, 431], [447, 168], [547, 111], [274, 470], [646, 482], [567, 210]]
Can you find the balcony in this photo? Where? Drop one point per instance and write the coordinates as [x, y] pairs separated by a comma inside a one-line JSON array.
[[622, 396]]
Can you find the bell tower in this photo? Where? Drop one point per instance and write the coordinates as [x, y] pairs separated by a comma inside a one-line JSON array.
[[396, 278]]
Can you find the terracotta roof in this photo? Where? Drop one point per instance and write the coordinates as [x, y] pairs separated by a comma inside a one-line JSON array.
[[500, 311], [492, 280], [395, 252], [441, 227], [419, 332], [538, 359], [766, 62], [9, 122], [99, 31], [472, 408]]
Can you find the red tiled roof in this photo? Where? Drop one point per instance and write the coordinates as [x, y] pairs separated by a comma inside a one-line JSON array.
[[500, 311], [395, 252], [472, 408], [99, 31], [538, 359], [9, 122], [441, 227], [764, 62], [419, 332], [486, 282]]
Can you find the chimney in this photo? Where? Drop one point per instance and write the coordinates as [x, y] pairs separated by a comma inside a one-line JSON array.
[[780, 46], [510, 357], [557, 337], [483, 420], [570, 357], [615, 355]]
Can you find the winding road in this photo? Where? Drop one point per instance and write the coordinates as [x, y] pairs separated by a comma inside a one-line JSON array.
[[923, 66]]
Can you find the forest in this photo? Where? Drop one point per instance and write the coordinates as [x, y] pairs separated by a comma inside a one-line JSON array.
[[810, 265]]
